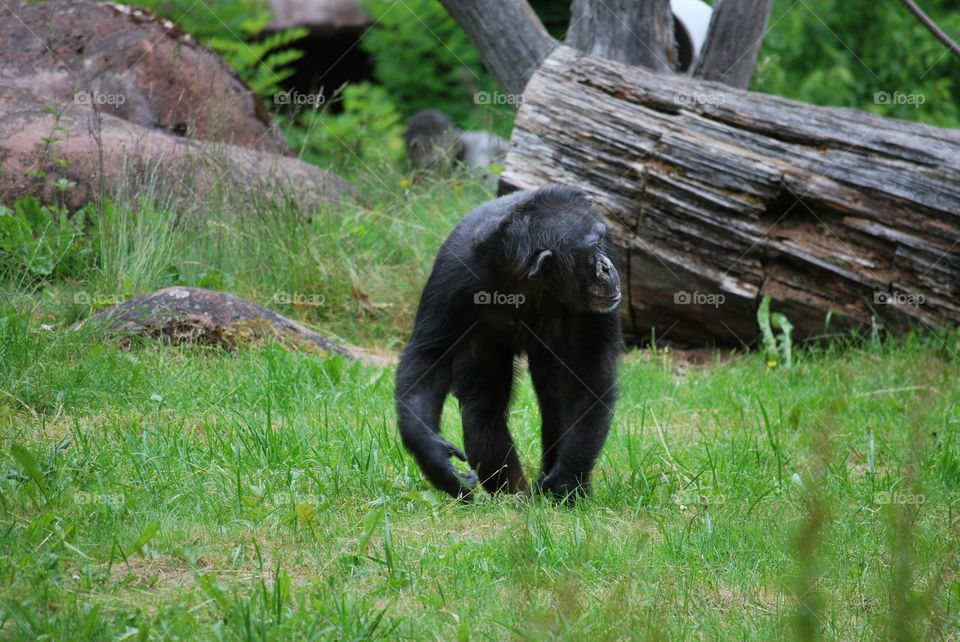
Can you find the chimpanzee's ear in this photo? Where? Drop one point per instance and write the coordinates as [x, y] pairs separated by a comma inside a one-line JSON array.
[[538, 263]]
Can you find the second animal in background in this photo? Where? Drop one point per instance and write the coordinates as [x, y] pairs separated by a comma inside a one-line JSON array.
[[433, 140]]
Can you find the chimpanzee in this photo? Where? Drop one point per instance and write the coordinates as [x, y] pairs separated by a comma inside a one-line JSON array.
[[528, 273]]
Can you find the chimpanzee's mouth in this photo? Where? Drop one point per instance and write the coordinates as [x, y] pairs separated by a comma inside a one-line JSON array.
[[607, 303]]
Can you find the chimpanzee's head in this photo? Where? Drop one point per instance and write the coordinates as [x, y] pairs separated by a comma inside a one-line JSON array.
[[571, 255]]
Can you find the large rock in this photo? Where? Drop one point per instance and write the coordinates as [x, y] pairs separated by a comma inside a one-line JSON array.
[[42, 141], [195, 315], [137, 65]]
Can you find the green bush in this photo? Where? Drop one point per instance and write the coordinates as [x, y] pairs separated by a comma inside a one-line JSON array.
[[38, 241], [263, 64], [424, 60], [232, 28], [872, 56], [368, 131]]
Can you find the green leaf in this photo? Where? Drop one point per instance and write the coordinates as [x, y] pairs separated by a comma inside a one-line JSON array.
[[785, 342], [370, 523], [763, 320], [29, 464], [145, 537], [306, 513]]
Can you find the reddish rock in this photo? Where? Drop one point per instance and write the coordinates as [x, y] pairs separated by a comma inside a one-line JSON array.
[[136, 65], [42, 141]]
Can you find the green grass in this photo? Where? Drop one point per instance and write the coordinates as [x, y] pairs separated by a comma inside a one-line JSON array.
[[352, 269], [179, 493]]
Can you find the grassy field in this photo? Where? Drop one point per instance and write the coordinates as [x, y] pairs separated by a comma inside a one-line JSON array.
[[167, 492]]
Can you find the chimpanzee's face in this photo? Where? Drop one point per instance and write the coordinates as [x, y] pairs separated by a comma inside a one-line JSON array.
[[599, 280]]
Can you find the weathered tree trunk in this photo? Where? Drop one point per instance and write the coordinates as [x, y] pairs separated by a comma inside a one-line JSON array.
[[719, 196], [509, 36], [631, 32], [736, 32]]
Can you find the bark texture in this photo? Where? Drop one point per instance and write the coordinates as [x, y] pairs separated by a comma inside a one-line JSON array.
[[737, 28], [509, 36], [627, 31], [719, 196]]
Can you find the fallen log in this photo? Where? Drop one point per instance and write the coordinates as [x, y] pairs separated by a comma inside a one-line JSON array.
[[719, 196]]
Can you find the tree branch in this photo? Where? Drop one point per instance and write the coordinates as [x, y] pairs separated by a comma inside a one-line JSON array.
[[736, 32], [509, 36], [627, 31], [932, 27]]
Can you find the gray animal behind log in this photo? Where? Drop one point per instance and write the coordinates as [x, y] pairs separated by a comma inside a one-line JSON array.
[[433, 140]]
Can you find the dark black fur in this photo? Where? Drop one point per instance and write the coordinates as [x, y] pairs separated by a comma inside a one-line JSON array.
[[549, 246]]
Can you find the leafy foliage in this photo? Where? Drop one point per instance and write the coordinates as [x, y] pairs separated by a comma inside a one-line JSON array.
[[263, 64], [777, 349], [232, 28], [42, 240], [872, 56], [215, 19], [424, 60], [368, 130]]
